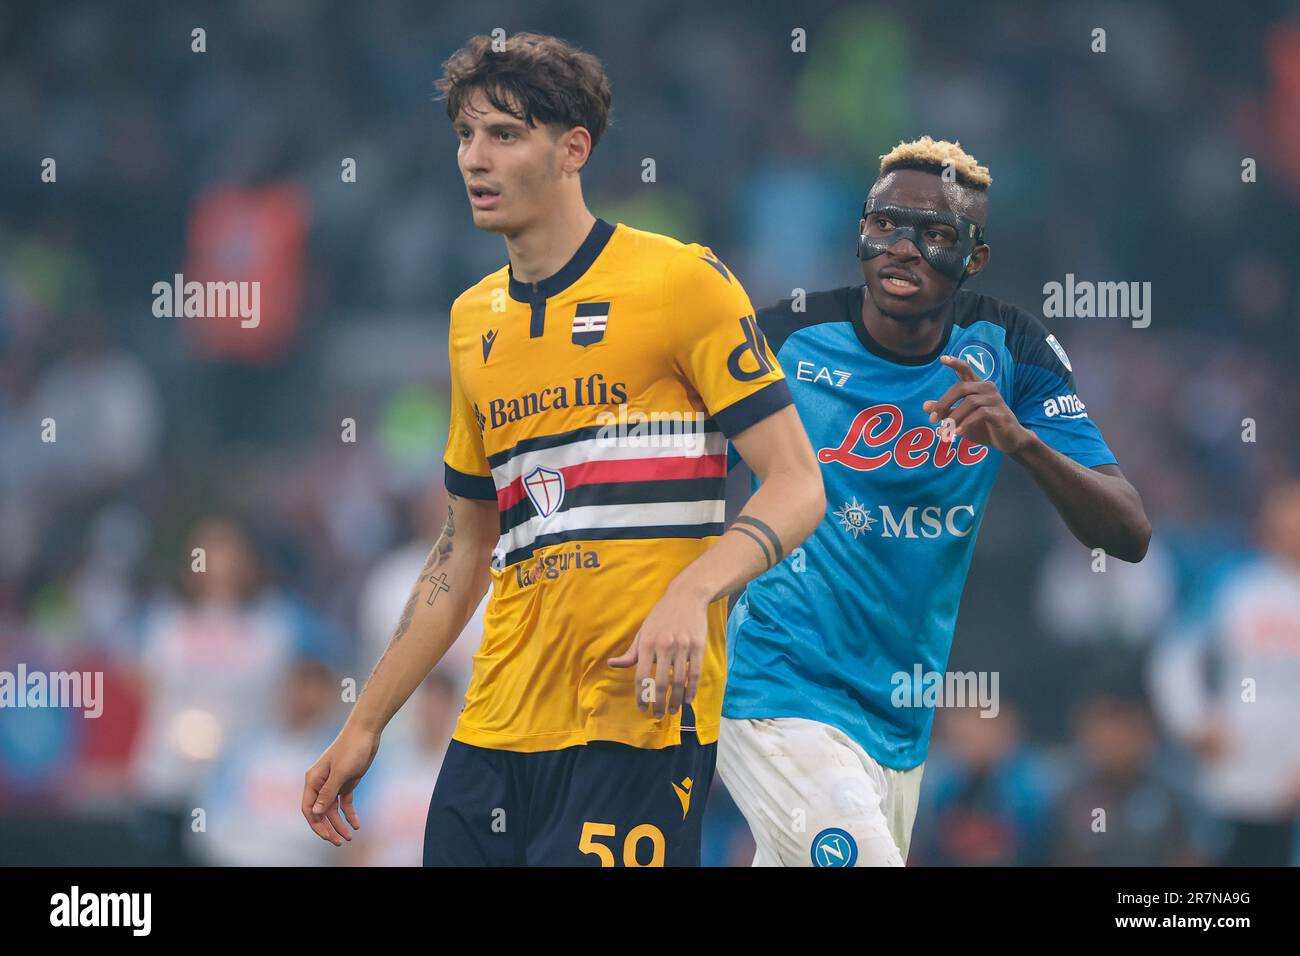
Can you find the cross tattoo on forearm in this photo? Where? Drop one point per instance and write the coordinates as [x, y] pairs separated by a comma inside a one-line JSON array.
[[440, 585]]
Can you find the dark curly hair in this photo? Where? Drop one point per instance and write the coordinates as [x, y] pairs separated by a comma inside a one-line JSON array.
[[535, 78]]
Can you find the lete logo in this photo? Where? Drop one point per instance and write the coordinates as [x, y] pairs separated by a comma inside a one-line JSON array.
[[879, 426]]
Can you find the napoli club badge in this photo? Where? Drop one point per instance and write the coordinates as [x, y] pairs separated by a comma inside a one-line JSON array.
[[980, 358], [834, 847]]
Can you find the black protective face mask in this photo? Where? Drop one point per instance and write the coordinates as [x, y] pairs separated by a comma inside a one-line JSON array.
[[947, 257]]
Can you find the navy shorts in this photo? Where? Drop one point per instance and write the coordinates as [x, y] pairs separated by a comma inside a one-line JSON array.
[[599, 804]]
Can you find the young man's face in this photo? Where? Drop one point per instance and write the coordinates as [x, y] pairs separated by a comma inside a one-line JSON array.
[[512, 171], [900, 281]]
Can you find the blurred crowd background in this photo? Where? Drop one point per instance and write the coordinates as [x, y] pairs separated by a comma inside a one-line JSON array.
[[1120, 689]]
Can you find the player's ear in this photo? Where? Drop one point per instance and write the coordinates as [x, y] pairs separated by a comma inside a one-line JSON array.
[[979, 258], [575, 148]]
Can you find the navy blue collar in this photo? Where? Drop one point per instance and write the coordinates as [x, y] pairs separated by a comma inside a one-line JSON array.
[[572, 271], [853, 300]]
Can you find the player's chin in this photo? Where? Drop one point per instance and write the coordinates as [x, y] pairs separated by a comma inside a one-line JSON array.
[[490, 220]]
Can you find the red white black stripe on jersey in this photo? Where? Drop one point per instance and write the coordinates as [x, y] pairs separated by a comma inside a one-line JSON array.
[[581, 486]]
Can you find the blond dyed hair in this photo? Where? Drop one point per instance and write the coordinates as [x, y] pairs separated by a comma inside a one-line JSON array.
[[934, 156]]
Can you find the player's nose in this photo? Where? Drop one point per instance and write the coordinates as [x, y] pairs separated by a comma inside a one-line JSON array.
[[903, 249], [474, 155]]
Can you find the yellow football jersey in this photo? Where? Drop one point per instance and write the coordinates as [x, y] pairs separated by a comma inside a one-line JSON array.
[[594, 409]]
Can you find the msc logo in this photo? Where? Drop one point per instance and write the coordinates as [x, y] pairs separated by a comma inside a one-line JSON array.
[[935, 520], [980, 359], [834, 847], [855, 518], [545, 488], [755, 345]]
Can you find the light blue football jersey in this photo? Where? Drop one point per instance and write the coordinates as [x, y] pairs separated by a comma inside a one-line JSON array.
[[873, 593]]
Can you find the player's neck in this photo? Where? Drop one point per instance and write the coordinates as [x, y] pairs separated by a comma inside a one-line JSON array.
[[542, 249], [916, 335]]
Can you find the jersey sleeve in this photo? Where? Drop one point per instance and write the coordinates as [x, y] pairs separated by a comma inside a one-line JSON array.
[[1046, 400], [467, 473], [718, 344]]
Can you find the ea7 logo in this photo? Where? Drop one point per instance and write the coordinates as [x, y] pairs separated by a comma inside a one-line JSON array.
[[804, 373], [755, 345]]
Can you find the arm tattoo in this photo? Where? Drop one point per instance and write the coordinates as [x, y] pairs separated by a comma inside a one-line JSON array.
[[762, 545], [440, 553], [771, 535], [448, 530]]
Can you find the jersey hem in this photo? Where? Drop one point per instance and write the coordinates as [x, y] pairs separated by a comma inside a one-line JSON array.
[[1088, 459], [892, 763], [707, 733]]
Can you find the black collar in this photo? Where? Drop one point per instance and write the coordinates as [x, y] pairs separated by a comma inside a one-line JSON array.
[[853, 297], [572, 271]]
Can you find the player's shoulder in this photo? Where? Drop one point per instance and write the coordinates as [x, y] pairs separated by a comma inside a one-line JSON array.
[[479, 298], [656, 246], [1026, 338], [653, 246], [681, 265], [784, 318]]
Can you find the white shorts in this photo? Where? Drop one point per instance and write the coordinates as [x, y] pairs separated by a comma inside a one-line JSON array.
[[814, 797]]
